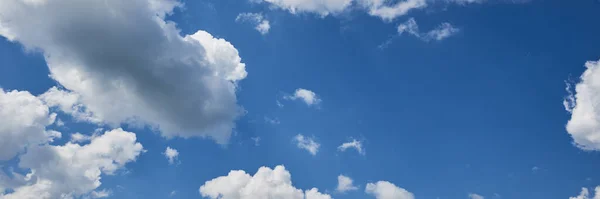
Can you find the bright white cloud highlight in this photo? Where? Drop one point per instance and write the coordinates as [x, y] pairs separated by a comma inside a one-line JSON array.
[[584, 125], [259, 22], [23, 122], [443, 31], [307, 96], [78, 137], [355, 144], [307, 143], [345, 184], [265, 183], [137, 69], [171, 154], [387, 12], [73, 170], [475, 196], [585, 194], [321, 7], [387, 190], [100, 194]]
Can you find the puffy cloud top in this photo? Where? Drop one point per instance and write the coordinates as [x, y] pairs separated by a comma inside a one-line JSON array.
[[584, 124], [126, 64], [23, 123], [266, 183]]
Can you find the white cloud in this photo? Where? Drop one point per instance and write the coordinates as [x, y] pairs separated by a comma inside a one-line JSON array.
[[584, 125], [266, 183], [321, 7], [101, 194], [171, 154], [73, 170], [462, 2], [144, 72], [585, 194], [306, 143], [78, 137], [475, 196], [387, 190], [23, 123], [345, 184], [256, 141], [70, 103], [309, 97], [410, 27], [442, 31], [352, 144], [59, 122], [259, 22], [381, 8], [173, 193], [272, 121]]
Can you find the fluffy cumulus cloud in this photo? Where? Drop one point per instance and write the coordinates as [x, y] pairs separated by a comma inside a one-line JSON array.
[[259, 22], [307, 143], [475, 196], [23, 123], [345, 184], [442, 31], [307, 96], [387, 190], [265, 183], [355, 144], [584, 125], [73, 170], [585, 194], [171, 154], [144, 72]]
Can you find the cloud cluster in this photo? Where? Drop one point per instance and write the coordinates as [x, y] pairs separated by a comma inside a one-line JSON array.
[[23, 123], [585, 194], [443, 31], [584, 125], [307, 143], [383, 9], [307, 96], [144, 73], [259, 22], [265, 183], [72, 170]]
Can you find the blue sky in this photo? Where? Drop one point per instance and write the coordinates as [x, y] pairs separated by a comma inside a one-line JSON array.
[[471, 109]]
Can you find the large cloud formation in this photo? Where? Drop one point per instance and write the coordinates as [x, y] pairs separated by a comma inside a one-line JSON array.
[[23, 123], [55, 171], [73, 170], [585, 194], [584, 125], [126, 64], [266, 183]]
